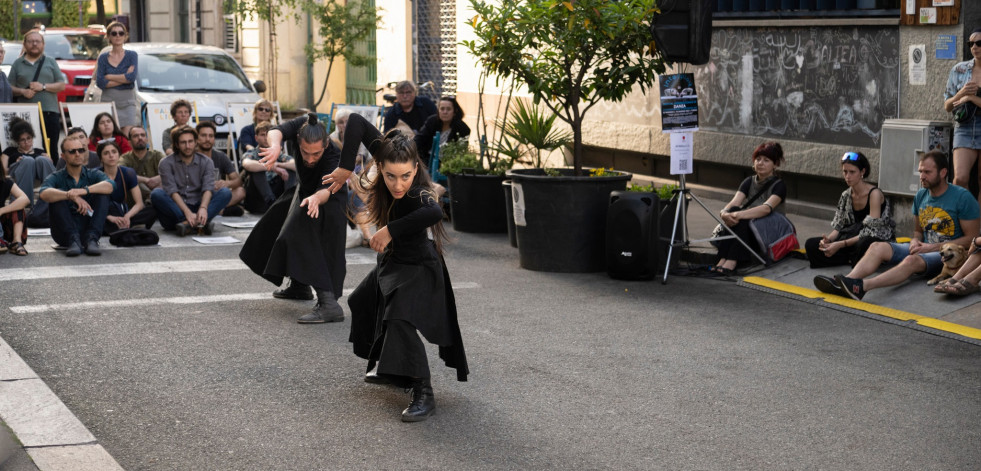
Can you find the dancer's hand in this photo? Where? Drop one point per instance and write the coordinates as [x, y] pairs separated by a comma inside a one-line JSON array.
[[337, 178], [380, 240]]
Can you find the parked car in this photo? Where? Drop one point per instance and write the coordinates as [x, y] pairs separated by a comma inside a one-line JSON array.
[[76, 51], [11, 53], [205, 75]]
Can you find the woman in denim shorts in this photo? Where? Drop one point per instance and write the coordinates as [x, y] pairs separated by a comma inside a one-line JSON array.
[[962, 87]]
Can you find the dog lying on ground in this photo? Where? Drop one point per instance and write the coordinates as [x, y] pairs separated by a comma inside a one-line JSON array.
[[953, 256]]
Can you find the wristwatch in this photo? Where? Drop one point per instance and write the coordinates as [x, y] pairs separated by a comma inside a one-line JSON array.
[[44, 87]]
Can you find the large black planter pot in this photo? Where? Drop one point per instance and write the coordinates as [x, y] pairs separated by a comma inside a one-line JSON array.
[[475, 203], [509, 211], [561, 221]]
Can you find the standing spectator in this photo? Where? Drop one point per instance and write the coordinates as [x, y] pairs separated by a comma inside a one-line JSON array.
[[226, 175], [115, 74], [126, 207], [24, 162], [264, 186], [35, 78], [145, 161], [78, 132], [448, 122], [104, 129], [409, 108], [79, 201], [187, 199], [180, 110], [262, 111], [6, 94], [13, 232]]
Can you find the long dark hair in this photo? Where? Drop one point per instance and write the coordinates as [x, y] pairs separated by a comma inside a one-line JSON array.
[[96, 136], [398, 148], [102, 147]]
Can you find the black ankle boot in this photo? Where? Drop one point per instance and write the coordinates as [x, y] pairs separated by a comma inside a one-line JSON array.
[[295, 290], [423, 403]]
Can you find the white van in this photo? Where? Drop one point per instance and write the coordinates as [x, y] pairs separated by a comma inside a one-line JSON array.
[[204, 75]]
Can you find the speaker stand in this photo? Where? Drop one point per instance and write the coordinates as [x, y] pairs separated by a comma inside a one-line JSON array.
[[680, 215]]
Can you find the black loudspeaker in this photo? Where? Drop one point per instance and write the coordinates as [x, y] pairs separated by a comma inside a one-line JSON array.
[[631, 236], [683, 30]]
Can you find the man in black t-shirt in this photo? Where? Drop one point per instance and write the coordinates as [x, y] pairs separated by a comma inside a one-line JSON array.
[[409, 108]]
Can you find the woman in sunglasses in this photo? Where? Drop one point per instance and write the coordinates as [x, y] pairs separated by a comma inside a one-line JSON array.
[[115, 74], [962, 89], [863, 217], [262, 111]]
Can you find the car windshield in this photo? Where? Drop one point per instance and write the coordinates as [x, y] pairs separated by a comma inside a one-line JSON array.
[[11, 53], [74, 46], [195, 73]]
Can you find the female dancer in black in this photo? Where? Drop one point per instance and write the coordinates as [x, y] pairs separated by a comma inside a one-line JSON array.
[[409, 289]]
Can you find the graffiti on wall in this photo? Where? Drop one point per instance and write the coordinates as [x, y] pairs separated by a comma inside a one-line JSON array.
[[830, 85]]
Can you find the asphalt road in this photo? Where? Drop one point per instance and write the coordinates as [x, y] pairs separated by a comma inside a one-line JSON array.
[[568, 371]]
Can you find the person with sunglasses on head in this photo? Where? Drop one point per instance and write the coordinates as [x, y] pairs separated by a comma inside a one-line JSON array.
[[262, 111], [864, 216], [943, 213], [963, 84], [115, 74]]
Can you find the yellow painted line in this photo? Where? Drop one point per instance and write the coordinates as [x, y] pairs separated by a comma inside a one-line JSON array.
[[925, 321]]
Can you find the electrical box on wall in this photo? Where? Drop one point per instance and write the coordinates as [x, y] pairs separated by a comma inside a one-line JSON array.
[[903, 140]]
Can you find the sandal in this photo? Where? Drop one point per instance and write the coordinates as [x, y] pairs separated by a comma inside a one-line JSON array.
[[942, 286], [17, 248], [722, 271], [961, 288]]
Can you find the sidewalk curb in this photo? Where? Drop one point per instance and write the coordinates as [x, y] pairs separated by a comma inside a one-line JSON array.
[[873, 311], [50, 433]]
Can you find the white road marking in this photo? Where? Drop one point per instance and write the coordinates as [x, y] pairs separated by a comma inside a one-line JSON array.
[[218, 298]]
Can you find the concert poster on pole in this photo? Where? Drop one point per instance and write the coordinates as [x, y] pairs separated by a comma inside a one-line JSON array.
[[679, 103]]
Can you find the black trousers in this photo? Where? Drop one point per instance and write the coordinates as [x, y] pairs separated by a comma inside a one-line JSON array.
[[52, 125], [403, 355], [845, 256]]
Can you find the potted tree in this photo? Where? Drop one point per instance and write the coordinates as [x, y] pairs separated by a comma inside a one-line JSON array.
[[570, 55], [475, 191]]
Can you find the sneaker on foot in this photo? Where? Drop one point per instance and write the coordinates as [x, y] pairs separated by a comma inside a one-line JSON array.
[[184, 229], [92, 248], [827, 284], [209, 228], [74, 248], [854, 287]]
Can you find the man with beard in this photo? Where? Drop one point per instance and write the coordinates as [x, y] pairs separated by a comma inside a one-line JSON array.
[[302, 235], [227, 175], [187, 199], [145, 161], [943, 213], [35, 78]]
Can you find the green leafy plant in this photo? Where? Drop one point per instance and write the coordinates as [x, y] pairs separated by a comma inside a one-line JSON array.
[[602, 172], [528, 126], [64, 13], [641, 188], [666, 192], [7, 26], [456, 156], [571, 54]]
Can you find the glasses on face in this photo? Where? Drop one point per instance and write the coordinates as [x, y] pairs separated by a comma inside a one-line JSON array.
[[849, 157], [264, 109], [33, 41], [117, 33], [76, 151]]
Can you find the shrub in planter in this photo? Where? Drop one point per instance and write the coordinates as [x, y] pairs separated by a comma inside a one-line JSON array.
[[475, 192]]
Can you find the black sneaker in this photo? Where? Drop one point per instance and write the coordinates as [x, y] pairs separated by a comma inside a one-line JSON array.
[[184, 229], [233, 211], [826, 284], [92, 248], [854, 287], [209, 228]]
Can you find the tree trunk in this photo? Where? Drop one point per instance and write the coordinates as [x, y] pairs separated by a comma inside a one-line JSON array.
[[100, 11]]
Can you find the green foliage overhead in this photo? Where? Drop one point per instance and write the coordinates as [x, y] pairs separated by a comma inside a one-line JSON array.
[[572, 54], [64, 13], [7, 20], [340, 26]]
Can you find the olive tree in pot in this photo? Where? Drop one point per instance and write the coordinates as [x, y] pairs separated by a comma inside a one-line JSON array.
[[570, 55]]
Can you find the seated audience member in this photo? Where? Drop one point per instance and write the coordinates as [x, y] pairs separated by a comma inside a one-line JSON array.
[[448, 122], [104, 129], [187, 200], [79, 201], [180, 110], [93, 162], [13, 231], [24, 162], [409, 108], [262, 111], [758, 196], [123, 214], [227, 176], [863, 216], [144, 161], [264, 186], [357, 211], [943, 213]]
